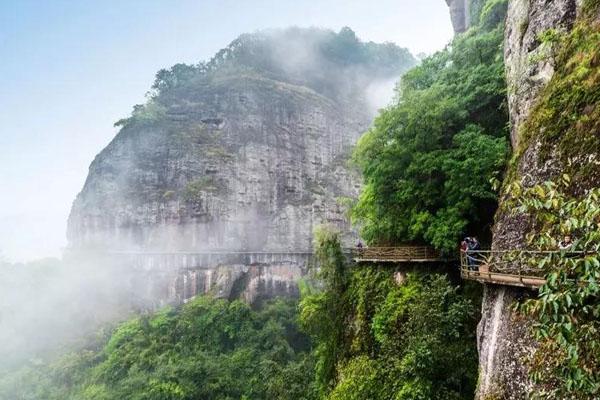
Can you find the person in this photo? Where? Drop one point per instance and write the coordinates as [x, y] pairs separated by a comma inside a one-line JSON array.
[[359, 248], [464, 246], [566, 243], [472, 247]]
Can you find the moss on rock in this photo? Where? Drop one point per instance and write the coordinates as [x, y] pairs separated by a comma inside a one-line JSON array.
[[565, 124]]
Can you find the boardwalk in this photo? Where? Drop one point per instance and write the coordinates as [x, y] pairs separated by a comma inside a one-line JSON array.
[[500, 268], [401, 254], [210, 258]]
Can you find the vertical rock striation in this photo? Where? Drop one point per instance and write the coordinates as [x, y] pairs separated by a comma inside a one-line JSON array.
[[531, 67], [529, 62], [459, 14], [245, 153]]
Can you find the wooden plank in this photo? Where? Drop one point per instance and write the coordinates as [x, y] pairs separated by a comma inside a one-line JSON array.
[[504, 279]]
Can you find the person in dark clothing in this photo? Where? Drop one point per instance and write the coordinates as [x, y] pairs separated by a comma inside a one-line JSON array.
[[472, 247], [359, 248]]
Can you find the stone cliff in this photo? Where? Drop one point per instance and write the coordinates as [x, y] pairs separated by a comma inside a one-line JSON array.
[[244, 153], [551, 134], [459, 14]]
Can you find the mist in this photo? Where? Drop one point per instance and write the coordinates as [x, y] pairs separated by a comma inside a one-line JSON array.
[[52, 306], [66, 82], [56, 297], [63, 302]]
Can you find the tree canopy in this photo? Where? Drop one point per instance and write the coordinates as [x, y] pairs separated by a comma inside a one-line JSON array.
[[207, 349], [375, 339], [429, 158]]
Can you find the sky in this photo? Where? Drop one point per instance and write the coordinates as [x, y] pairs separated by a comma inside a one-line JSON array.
[[70, 68]]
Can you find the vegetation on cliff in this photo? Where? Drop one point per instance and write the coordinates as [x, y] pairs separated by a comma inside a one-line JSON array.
[[429, 158], [566, 120], [333, 64], [562, 132], [566, 364], [377, 339]]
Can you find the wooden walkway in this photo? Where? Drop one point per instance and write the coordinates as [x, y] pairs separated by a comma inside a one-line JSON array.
[[499, 268], [401, 254]]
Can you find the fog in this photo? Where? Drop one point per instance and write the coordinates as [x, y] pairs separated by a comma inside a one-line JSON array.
[[50, 306], [59, 303], [55, 304], [69, 72]]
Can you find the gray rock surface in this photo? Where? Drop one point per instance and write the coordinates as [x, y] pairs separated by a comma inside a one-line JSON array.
[[246, 163], [504, 342], [459, 14], [246, 153], [529, 62]]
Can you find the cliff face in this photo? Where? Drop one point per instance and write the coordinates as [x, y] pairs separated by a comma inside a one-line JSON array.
[[529, 62], [245, 153], [459, 14], [532, 63], [244, 163]]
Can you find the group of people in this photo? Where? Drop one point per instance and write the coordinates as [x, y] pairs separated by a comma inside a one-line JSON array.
[[469, 244]]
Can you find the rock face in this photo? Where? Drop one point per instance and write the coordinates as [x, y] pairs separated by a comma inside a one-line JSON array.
[[245, 163], [159, 279], [459, 14], [245, 153], [530, 64]]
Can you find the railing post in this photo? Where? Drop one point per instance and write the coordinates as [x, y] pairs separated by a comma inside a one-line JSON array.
[[520, 269]]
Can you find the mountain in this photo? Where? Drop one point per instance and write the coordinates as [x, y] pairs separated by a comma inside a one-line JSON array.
[[247, 152]]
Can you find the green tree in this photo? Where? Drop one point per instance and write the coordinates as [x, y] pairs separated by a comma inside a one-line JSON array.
[[376, 339], [323, 313], [208, 349], [429, 158]]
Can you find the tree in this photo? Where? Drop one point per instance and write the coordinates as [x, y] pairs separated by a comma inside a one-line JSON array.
[[429, 158]]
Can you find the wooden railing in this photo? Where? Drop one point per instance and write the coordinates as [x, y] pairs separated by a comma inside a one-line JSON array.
[[399, 254], [507, 267], [395, 254]]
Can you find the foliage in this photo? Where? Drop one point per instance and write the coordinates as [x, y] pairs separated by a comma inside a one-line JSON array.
[[334, 64], [322, 314], [207, 184], [380, 340], [428, 159], [318, 57], [493, 13], [567, 310], [209, 349], [145, 114], [564, 124], [475, 7], [178, 74]]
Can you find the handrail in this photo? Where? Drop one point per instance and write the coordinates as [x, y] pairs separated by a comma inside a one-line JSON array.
[[508, 267], [358, 254], [395, 254], [208, 252]]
